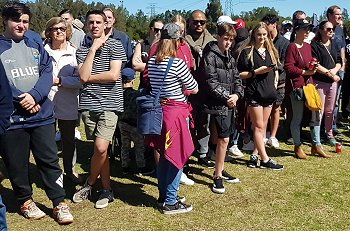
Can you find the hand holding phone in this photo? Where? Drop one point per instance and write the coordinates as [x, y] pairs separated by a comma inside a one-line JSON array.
[[272, 65]]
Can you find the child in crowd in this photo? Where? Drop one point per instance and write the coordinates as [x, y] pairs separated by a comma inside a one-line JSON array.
[[127, 125]]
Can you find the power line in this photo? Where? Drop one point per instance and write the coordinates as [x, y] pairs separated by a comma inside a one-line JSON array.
[[152, 7]]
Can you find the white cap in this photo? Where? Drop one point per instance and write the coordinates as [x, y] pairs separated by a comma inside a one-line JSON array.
[[225, 19]]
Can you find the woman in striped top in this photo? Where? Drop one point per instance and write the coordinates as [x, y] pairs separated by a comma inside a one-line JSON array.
[[175, 143]]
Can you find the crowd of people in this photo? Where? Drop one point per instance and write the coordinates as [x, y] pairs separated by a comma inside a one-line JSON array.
[[215, 90]]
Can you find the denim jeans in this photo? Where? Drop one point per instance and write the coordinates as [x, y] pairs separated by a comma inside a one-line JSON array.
[[337, 101], [298, 110], [234, 137], [3, 225], [168, 181]]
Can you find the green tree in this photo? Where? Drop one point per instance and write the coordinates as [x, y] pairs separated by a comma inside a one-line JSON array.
[[213, 12]]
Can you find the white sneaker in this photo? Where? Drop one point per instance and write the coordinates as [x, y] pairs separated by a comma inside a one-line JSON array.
[[77, 134], [227, 157], [248, 146], [30, 211], [265, 140], [273, 142], [58, 136], [62, 214], [235, 152], [185, 180]]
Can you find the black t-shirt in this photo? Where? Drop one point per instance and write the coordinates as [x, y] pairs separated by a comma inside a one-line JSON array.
[[260, 88]]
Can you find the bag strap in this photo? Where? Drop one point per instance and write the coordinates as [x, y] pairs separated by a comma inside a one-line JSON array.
[[170, 62], [329, 52]]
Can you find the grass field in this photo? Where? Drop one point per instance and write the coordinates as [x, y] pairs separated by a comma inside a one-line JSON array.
[[308, 195]]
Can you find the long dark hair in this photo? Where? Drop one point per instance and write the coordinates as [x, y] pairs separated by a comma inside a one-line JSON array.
[[321, 26]]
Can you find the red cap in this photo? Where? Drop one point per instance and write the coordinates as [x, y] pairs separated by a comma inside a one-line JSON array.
[[240, 24]]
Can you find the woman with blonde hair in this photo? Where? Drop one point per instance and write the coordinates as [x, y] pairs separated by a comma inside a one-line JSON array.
[[175, 143], [257, 65], [65, 90]]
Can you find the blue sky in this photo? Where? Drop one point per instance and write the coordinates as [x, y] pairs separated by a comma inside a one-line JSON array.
[[285, 7]]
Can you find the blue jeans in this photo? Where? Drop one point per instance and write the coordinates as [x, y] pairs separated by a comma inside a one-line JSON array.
[[234, 137], [168, 181], [337, 100], [3, 225], [298, 110]]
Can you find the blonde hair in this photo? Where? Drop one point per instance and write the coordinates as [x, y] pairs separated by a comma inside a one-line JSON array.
[[166, 48], [268, 44], [54, 21], [178, 18]]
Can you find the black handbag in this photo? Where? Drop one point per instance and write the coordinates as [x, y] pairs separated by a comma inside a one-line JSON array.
[[149, 110]]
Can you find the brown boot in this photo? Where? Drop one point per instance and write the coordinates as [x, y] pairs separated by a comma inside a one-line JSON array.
[[317, 150], [299, 152]]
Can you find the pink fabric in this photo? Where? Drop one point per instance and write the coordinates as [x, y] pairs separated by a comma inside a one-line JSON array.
[[328, 92], [175, 141]]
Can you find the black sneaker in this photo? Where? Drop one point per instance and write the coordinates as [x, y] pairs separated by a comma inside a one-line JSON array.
[[271, 164], [206, 162], [228, 178], [218, 186], [253, 161], [160, 202], [178, 207], [146, 171]]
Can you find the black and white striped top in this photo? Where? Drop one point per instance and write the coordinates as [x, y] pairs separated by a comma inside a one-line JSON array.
[[178, 79], [100, 97]]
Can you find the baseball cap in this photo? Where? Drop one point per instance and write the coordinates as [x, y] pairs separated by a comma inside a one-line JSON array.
[[128, 73], [287, 22], [239, 24], [302, 24], [171, 31], [225, 19]]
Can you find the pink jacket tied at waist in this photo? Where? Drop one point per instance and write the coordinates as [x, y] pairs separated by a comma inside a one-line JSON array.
[[175, 141]]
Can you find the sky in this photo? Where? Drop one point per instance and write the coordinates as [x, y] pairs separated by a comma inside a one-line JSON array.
[[284, 7]]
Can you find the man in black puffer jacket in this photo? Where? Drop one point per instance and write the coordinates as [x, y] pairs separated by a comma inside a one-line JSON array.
[[222, 87]]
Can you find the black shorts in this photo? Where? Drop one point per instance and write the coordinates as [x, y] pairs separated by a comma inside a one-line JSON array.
[[224, 124]]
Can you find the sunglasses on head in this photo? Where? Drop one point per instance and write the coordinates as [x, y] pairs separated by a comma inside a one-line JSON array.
[[156, 30], [329, 29], [195, 22], [55, 29]]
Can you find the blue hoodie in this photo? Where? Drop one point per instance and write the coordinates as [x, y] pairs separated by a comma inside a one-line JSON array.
[[6, 106], [28, 68]]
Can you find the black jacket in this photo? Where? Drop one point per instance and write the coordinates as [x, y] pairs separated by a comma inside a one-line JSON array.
[[220, 78], [327, 60]]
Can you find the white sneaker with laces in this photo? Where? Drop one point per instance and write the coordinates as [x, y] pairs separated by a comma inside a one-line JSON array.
[[273, 142], [62, 214], [185, 180], [248, 146], [82, 194], [30, 211], [235, 152]]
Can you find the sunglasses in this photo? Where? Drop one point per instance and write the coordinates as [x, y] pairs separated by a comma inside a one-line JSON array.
[[195, 22], [329, 29], [55, 29], [156, 30]]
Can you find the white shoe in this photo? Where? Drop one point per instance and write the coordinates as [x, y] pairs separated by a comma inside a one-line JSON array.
[[58, 136], [227, 157], [77, 134], [185, 180], [273, 142], [248, 146], [235, 152], [265, 140]]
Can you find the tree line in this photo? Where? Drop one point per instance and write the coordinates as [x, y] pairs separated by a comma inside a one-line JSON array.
[[136, 25]]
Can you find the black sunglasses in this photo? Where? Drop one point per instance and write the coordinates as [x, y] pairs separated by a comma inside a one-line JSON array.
[[329, 29], [195, 22], [55, 29], [156, 30]]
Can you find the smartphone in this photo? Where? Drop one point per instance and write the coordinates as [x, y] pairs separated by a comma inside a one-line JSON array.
[[272, 65]]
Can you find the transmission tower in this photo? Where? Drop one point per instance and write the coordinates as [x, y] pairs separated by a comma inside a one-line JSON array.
[[228, 7], [152, 7]]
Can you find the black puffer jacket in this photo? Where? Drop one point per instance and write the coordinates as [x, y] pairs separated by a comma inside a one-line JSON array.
[[220, 78]]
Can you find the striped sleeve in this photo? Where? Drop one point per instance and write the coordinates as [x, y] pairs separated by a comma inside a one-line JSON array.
[[118, 51], [186, 77]]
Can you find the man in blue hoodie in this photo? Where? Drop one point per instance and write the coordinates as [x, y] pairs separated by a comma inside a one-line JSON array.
[[32, 121]]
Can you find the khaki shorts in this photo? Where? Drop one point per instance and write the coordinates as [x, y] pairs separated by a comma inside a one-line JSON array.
[[99, 124]]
